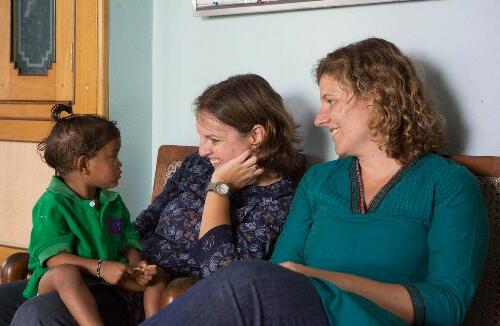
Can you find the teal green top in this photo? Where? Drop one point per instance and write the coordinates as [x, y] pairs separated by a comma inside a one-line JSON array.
[[64, 222], [427, 229]]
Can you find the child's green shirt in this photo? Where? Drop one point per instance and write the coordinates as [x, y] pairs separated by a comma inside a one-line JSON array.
[[64, 222]]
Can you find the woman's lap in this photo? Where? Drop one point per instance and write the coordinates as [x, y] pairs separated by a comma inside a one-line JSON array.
[[247, 293], [48, 309], [11, 298]]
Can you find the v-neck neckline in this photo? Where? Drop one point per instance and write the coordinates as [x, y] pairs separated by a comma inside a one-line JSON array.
[[358, 202]]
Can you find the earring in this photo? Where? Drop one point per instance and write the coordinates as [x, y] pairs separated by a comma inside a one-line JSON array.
[[254, 147]]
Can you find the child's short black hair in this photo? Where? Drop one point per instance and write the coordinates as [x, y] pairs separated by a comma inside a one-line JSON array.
[[75, 135]]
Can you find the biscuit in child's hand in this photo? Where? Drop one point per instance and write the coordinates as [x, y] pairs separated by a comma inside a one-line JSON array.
[[147, 268], [150, 268]]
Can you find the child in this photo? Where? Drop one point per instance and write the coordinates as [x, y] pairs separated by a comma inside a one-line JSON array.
[[82, 233]]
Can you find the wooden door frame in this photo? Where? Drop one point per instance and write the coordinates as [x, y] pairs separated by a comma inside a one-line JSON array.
[[29, 121]]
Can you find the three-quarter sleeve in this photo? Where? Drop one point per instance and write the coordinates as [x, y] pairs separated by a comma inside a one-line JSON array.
[[254, 237], [457, 242], [291, 242], [147, 220]]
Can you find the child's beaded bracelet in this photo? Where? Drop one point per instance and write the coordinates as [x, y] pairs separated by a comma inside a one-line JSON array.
[[98, 268]]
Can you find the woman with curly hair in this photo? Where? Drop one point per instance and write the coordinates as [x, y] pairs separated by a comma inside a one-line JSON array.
[[388, 234]]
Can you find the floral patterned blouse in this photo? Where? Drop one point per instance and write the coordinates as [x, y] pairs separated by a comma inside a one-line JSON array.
[[169, 227]]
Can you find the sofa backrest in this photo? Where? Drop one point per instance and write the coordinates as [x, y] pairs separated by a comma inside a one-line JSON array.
[[485, 309], [169, 159]]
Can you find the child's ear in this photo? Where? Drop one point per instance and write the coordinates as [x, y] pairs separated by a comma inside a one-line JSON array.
[[82, 164]]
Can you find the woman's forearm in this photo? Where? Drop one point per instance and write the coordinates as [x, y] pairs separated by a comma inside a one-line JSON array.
[[215, 212], [392, 297], [239, 172]]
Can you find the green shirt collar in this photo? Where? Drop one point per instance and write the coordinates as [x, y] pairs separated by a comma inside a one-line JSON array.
[[58, 186]]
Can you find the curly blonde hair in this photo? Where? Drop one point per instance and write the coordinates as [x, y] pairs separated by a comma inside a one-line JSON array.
[[406, 119]]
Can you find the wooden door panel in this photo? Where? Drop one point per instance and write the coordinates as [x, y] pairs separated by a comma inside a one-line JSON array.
[[57, 85], [24, 130], [79, 76], [31, 110]]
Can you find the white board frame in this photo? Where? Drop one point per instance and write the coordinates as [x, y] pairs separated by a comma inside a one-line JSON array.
[[235, 7]]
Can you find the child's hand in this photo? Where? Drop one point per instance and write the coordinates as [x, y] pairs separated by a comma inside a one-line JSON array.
[[132, 255], [115, 272], [239, 172], [144, 273]]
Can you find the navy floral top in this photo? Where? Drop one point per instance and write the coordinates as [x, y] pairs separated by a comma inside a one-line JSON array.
[[169, 227]]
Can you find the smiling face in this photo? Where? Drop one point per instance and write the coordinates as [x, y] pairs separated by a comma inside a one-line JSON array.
[[346, 116], [218, 141], [104, 167]]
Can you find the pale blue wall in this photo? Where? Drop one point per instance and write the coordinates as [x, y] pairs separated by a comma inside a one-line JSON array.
[[130, 94], [455, 44]]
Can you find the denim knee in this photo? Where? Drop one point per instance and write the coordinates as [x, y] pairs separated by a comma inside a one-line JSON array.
[[46, 309], [247, 269], [11, 298]]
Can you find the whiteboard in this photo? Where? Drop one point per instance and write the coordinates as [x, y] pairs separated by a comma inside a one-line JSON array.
[[234, 7]]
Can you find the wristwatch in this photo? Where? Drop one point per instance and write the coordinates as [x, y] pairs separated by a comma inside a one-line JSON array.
[[220, 188]]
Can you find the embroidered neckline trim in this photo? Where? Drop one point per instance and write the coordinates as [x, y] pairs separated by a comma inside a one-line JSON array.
[[358, 203]]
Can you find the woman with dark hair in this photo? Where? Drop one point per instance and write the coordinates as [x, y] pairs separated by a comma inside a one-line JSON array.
[[227, 202], [388, 234]]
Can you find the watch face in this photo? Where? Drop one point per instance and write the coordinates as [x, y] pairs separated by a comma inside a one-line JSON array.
[[222, 188]]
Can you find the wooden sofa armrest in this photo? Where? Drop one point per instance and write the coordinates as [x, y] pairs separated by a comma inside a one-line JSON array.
[[15, 267], [175, 288]]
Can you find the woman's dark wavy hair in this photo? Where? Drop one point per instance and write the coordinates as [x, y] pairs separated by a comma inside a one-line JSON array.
[[243, 101], [406, 119], [75, 135]]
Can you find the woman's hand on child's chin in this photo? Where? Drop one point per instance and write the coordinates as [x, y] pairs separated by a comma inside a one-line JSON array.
[[239, 172], [115, 272]]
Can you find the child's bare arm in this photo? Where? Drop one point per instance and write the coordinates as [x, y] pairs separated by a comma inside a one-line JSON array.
[[132, 255], [110, 271], [85, 264]]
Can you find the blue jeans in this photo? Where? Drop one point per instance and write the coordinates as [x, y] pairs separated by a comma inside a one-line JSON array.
[[251, 292], [11, 298], [48, 309]]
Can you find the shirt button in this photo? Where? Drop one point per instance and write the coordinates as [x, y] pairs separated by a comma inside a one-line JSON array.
[[92, 203]]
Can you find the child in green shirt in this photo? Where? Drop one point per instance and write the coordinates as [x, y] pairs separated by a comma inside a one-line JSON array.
[[82, 233]]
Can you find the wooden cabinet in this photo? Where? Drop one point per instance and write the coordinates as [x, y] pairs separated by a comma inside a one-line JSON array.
[[78, 75]]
